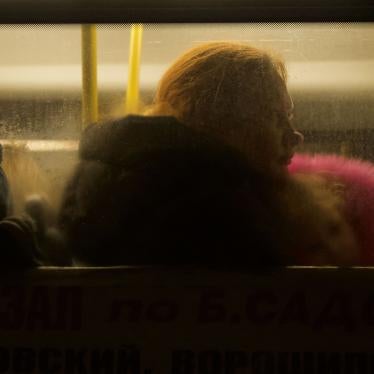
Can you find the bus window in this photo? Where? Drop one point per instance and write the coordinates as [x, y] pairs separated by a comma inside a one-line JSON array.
[[329, 69], [330, 78]]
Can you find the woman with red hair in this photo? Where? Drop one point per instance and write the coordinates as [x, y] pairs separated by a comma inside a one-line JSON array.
[[202, 178], [238, 93]]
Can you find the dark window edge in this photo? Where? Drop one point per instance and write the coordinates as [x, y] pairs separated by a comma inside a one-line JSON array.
[[122, 14]]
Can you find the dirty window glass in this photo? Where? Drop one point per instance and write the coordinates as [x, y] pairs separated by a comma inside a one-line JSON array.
[[330, 69]]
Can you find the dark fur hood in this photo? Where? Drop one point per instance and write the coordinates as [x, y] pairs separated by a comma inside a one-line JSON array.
[[117, 142], [149, 190], [140, 141]]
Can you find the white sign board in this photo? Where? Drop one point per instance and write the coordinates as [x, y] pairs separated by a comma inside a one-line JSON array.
[[162, 321]]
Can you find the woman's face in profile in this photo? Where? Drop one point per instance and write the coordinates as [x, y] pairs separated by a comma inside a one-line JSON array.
[[281, 127], [271, 144]]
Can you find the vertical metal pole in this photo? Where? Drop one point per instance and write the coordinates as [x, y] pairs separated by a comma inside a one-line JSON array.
[[132, 93], [89, 75]]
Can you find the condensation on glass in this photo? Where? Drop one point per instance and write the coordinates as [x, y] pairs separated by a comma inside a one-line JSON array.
[[330, 78]]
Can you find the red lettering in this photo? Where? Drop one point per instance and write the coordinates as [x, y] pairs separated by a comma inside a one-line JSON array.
[[336, 313], [39, 309], [162, 311], [234, 361], [12, 312], [24, 360], [368, 310], [132, 309], [183, 362], [210, 362], [263, 362], [50, 360], [211, 307], [261, 307], [68, 304], [295, 310], [4, 360]]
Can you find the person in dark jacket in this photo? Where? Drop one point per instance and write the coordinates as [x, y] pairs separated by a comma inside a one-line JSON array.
[[211, 185], [151, 191], [238, 93], [18, 248]]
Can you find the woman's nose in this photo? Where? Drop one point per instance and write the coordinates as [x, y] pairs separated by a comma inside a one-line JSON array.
[[294, 138]]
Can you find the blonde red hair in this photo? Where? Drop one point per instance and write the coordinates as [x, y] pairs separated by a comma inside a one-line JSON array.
[[207, 85]]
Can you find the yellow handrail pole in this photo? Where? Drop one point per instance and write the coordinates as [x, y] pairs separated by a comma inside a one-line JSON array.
[[132, 93], [89, 75]]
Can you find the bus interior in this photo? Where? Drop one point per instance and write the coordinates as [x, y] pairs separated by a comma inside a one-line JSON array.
[[329, 65], [141, 320]]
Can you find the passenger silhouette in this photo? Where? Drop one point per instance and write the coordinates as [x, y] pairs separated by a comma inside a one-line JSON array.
[[26, 236], [238, 93], [203, 178], [5, 198]]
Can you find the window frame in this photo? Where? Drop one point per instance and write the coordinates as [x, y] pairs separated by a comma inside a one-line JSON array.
[[170, 11]]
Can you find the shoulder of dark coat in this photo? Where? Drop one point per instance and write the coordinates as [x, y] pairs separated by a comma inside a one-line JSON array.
[[120, 141], [18, 243], [115, 140]]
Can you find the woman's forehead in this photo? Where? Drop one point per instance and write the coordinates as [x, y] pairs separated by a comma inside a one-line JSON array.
[[289, 102], [284, 99]]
